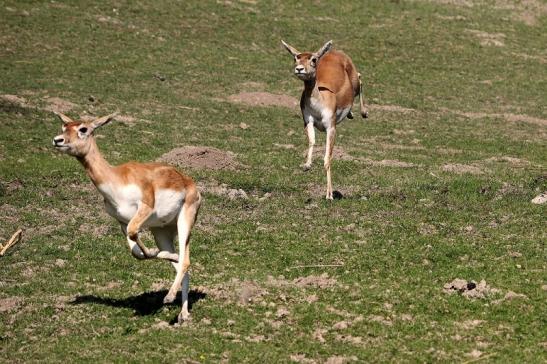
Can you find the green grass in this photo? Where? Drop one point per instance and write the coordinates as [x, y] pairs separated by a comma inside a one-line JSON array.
[[394, 240]]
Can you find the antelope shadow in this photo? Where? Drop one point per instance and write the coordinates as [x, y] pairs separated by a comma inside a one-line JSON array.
[[144, 304]]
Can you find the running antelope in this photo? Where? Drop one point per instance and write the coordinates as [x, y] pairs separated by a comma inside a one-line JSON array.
[[331, 82], [139, 196]]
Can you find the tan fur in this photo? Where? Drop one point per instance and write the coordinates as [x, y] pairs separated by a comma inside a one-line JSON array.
[[331, 82], [149, 179]]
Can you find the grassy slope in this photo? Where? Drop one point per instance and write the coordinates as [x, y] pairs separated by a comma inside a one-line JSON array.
[[401, 233]]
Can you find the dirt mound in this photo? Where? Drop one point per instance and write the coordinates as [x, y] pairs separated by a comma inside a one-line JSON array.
[[14, 100], [470, 289], [196, 157], [263, 99], [57, 104]]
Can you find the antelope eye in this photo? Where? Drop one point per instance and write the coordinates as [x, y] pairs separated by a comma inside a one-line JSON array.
[[83, 130], [313, 60]]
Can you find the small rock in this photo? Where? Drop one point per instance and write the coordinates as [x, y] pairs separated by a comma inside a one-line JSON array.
[[282, 312], [243, 126], [60, 263], [540, 199]]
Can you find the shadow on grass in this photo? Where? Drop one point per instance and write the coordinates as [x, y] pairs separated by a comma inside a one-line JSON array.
[[144, 304]]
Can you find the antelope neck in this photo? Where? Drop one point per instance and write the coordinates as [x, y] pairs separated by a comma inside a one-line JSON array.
[[97, 168]]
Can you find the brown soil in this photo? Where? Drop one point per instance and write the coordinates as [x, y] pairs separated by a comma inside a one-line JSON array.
[[341, 359], [9, 304], [197, 157], [58, 105], [322, 281], [301, 358], [264, 99], [14, 100], [470, 289], [389, 163]]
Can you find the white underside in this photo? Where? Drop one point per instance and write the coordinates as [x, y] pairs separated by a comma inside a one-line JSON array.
[[122, 203], [320, 116]]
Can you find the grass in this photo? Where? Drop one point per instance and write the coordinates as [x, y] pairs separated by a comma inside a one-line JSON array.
[[72, 291]]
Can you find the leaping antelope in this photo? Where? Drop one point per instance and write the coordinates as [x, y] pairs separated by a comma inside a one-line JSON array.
[[139, 196], [331, 82]]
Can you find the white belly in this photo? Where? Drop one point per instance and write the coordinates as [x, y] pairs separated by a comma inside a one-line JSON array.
[[123, 202], [321, 117]]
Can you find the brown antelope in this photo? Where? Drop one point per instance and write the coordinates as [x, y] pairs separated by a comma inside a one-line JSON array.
[[331, 82], [139, 196]]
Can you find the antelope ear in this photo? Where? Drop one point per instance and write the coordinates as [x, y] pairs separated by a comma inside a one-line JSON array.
[[102, 121], [291, 50], [324, 49], [65, 119]]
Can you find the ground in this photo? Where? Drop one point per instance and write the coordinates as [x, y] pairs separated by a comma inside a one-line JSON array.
[[432, 252]]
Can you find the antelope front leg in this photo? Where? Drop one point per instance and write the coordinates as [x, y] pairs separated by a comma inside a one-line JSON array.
[[138, 249], [310, 132], [331, 134]]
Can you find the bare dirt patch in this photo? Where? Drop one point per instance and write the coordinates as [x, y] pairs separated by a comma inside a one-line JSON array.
[[338, 153], [57, 104], [264, 99], [235, 291], [391, 108], [488, 39], [470, 289], [9, 304], [462, 168], [337, 359], [198, 157], [527, 11], [514, 162], [321, 281], [223, 190], [389, 163], [14, 100], [507, 116]]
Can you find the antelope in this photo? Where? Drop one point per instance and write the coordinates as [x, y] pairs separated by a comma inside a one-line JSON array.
[[139, 196], [331, 82]]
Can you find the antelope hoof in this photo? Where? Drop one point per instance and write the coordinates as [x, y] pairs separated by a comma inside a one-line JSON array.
[[329, 196], [170, 298], [168, 256], [306, 167], [183, 316]]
